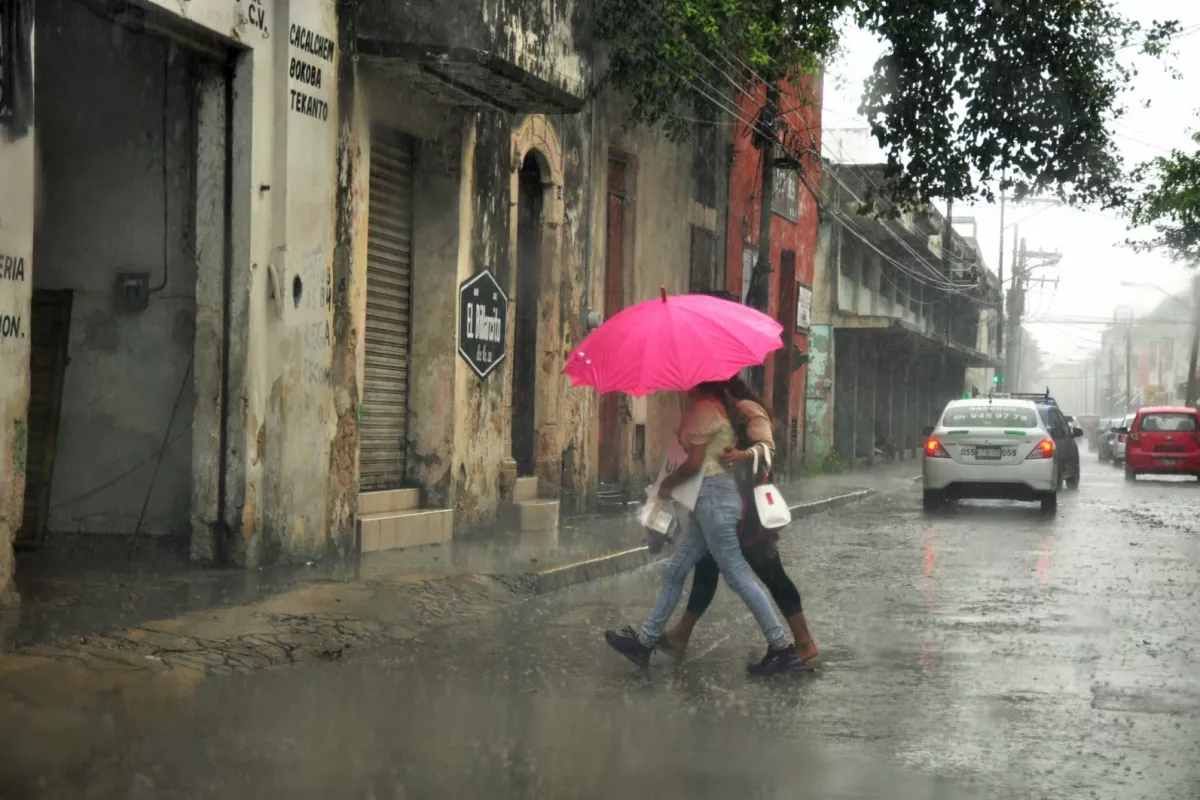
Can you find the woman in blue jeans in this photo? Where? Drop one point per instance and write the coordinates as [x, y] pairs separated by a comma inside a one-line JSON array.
[[707, 431]]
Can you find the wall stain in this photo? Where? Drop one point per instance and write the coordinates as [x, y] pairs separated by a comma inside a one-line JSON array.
[[20, 445]]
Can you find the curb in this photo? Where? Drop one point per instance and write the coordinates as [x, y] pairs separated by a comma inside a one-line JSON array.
[[563, 576]]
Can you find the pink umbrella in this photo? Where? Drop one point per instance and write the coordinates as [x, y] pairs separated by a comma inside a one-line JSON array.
[[673, 343]]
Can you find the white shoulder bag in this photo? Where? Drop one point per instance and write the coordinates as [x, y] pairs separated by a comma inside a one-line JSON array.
[[773, 511]]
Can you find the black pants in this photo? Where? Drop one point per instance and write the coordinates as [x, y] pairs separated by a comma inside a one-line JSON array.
[[764, 560]]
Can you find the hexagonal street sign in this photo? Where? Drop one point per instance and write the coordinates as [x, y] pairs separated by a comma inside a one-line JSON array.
[[482, 323]]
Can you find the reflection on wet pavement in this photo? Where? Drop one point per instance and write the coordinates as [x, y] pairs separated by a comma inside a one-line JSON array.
[[987, 651]]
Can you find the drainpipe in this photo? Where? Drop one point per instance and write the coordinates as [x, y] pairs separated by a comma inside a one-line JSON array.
[[221, 534], [590, 320]]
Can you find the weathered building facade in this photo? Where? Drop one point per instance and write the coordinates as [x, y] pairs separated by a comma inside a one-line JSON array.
[[793, 240], [311, 290], [901, 312]]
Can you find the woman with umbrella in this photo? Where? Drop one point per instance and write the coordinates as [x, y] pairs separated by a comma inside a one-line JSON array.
[[692, 343], [758, 545]]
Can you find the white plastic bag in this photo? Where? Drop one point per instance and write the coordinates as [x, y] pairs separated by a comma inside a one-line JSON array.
[[660, 521], [773, 511]]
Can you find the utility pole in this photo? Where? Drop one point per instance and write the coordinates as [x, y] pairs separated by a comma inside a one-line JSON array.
[[1190, 400], [760, 280], [1016, 307], [1000, 273], [1112, 377], [1128, 365]]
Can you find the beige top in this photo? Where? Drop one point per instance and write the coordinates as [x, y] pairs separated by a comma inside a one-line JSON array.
[[758, 424], [708, 425]]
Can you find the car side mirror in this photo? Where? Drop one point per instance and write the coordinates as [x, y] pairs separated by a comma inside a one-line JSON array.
[[1077, 432], [927, 431], [1121, 429]]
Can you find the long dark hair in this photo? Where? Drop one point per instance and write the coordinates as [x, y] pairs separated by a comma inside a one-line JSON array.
[[719, 390], [740, 390]]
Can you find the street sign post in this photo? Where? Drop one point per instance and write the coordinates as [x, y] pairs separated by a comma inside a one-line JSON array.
[[482, 323]]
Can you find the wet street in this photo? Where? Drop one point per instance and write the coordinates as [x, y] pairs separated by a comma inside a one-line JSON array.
[[987, 651]]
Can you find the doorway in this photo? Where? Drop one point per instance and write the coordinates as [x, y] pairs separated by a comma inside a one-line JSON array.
[[614, 301], [525, 328]]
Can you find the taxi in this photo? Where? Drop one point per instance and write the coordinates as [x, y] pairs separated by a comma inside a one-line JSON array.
[[993, 448]]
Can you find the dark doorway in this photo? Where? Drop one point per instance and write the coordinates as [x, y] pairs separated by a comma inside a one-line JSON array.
[[781, 393], [525, 344], [614, 281]]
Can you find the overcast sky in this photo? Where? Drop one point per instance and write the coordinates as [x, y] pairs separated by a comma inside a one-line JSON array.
[[1094, 262]]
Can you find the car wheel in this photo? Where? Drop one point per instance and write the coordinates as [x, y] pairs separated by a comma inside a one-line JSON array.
[[1130, 475], [1050, 503], [933, 499], [1073, 481]]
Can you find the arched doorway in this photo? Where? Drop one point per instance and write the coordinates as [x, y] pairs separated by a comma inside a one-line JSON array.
[[525, 329]]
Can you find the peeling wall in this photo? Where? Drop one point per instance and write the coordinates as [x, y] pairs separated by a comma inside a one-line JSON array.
[[17, 158], [301, 417], [664, 212]]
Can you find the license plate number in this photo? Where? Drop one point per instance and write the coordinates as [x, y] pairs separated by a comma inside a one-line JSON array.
[[985, 453], [1167, 462]]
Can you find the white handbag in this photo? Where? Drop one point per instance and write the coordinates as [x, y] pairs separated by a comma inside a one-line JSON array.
[[773, 511]]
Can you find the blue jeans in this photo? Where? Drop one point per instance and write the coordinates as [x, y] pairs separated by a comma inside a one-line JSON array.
[[713, 528]]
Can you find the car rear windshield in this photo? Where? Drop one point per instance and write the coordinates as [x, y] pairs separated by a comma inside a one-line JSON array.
[[990, 416], [1168, 423]]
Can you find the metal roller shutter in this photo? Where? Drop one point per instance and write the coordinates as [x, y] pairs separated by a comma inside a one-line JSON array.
[[383, 428]]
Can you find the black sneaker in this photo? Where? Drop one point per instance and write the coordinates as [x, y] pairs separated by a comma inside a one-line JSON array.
[[626, 642], [777, 661]]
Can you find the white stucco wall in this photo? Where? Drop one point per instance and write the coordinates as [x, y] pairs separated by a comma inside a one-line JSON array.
[[282, 205]]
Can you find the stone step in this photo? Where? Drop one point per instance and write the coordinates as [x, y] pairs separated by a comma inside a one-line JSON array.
[[391, 530], [531, 515], [390, 500], [525, 489]]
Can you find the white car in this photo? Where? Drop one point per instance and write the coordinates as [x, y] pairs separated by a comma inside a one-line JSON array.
[[991, 448], [1118, 448]]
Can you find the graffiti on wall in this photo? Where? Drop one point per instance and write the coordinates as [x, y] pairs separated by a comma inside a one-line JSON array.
[[256, 15], [314, 300]]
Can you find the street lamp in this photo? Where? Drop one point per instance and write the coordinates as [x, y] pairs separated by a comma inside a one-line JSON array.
[[1194, 309]]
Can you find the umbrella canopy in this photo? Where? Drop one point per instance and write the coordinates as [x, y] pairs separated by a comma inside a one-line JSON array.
[[673, 344]]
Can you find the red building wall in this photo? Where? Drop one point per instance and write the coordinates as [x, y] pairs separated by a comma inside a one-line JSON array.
[[800, 107]]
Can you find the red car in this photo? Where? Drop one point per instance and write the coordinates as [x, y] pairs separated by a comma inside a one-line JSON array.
[[1163, 440]]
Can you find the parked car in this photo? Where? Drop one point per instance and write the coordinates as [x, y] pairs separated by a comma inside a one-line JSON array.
[[1066, 438], [995, 448], [1118, 442], [1163, 440], [1104, 438]]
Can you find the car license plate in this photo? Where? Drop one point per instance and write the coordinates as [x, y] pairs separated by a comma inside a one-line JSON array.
[[987, 453], [1167, 462]]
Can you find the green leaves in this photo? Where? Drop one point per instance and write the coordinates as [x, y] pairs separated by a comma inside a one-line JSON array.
[[967, 91], [1169, 204]]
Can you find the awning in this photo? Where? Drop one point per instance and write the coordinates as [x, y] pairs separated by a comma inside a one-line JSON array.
[[464, 76], [901, 327], [465, 56]]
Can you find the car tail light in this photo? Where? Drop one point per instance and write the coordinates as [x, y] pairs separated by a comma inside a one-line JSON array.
[[934, 449], [1044, 449], [1121, 438]]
